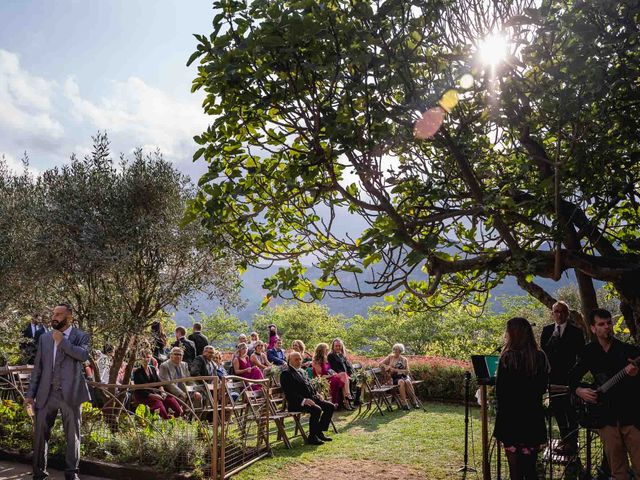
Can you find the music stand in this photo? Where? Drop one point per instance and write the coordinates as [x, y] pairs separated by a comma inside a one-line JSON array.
[[485, 368]]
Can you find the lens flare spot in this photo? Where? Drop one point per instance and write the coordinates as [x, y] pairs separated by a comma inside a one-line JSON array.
[[466, 81], [449, 100], [429, 124]]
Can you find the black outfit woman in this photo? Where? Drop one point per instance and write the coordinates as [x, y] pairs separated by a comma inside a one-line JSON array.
[[522, 379]]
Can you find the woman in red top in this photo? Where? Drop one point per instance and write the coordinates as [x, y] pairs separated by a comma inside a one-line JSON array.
[[337, 381]]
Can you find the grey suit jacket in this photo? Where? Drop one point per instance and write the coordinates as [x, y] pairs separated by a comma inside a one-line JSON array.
[[71, 354], [167, 371]]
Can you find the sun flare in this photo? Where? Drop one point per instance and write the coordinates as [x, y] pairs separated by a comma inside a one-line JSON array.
[[493, 49]]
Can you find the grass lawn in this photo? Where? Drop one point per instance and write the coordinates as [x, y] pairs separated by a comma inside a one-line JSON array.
[[414, 444]]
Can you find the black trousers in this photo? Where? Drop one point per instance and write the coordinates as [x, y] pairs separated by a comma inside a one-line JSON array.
[[320, 416], [566, 418]]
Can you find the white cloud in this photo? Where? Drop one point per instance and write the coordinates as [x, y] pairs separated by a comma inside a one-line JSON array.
[[50, 120], [16, 166], [11, 162], [146, 116], [26, 117]]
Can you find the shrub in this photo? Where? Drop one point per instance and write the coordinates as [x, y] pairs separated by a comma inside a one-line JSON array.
[[15, 427], [442, 378]]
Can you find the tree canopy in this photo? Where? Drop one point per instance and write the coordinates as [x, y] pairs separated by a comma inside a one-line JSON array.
[[327, 114], [107, 237]]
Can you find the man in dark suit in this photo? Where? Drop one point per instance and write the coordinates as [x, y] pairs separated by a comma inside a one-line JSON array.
[[29, 342], [198, 338], [563, 343], [58, 383], [187, 346], [203, 365], [301, 397]]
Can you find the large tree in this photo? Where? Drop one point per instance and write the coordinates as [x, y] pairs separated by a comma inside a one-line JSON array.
[[464, 171], [109, 240]]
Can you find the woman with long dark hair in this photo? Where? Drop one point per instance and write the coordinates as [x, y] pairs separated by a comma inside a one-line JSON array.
[[159, 341], [522, 378]]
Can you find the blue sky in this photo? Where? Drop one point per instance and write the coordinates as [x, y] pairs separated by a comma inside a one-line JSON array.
[[69, 68]]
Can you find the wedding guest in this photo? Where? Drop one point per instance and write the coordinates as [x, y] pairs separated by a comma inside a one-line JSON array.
[[157, 399], [259, 358], [338, 382], [398, 367]]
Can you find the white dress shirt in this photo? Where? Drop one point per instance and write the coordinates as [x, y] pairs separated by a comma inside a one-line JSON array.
[[55, 345]]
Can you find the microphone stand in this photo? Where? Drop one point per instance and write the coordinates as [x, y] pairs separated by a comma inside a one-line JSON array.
[[467, 385], [550, 430]]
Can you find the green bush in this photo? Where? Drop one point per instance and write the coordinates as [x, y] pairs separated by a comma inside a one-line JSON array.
[[441, 382], [442, 378], [144, 439], [15, 427]]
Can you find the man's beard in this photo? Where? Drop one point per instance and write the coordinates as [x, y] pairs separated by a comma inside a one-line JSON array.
[[60, 325]]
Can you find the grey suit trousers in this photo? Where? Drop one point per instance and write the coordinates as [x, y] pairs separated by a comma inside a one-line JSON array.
[[45, 418]]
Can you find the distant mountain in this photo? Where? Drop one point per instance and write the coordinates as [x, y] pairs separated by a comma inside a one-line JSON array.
[[253, 294]]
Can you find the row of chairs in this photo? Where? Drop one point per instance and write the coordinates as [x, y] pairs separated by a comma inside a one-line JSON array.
[[241, 400]]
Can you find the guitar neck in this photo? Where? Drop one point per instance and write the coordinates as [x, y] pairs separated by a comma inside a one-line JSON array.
[[613, 381], [609, 384]]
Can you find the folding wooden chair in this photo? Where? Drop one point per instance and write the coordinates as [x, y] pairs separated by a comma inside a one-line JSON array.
[[378, 394], [279, 413]]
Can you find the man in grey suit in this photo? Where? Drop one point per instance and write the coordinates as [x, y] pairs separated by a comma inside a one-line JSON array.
[[175, 369], [58, 383]]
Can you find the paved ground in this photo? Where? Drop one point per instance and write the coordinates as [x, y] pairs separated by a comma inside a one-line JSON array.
[[20, 471]]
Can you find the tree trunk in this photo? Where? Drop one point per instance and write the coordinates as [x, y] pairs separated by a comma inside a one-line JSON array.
[[629, 289], [588, 297], [629, 318], [120, 354], [118, 357], [132, 360]]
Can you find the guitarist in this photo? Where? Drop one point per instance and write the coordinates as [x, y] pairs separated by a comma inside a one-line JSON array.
[[563, 343], [605, 357]]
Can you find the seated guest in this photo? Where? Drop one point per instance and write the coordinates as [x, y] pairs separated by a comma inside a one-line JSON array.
[[242, 338], [307, 358], [301, 397], [259, 358], [398, 367], [187, 346], [157, 400], [521, 380], [203, 365], [198, 338], [175, 369], [220, 371], [277, 355], [252, 344], [243, 368], [104, 362], [339, 363], [338, 382]]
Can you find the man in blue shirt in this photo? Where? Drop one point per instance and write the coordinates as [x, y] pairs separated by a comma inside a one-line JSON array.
[[276, 355]]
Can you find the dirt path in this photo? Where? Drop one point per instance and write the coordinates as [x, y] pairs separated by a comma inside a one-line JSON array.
[[344, 469]]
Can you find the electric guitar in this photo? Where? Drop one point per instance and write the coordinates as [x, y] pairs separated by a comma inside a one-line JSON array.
[[593, 415]]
